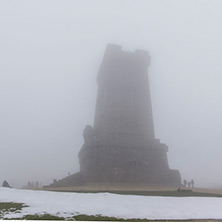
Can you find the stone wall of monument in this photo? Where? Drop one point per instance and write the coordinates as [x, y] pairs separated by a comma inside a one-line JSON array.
[[123, 96]]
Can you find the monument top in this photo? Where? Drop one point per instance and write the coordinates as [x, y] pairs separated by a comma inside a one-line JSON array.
[[123, 102], [115, 51]]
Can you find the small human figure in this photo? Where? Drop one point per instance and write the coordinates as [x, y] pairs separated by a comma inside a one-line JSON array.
[[189, 184], [185, 182], [192, 183]]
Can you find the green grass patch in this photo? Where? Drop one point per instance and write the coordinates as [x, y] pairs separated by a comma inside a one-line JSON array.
[[10, 207], [7, 207], [83, 217], [42, 217]]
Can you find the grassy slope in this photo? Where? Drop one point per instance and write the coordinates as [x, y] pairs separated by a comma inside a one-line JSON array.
[[16, 207], [7, 207]]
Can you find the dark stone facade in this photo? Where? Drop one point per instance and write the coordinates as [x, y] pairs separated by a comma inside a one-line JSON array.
[[121, 147]]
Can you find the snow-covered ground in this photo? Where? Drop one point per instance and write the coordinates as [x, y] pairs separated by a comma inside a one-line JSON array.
[[113, 205]]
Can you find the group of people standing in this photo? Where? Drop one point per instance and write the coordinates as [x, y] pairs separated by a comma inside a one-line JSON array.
[[188, 183]]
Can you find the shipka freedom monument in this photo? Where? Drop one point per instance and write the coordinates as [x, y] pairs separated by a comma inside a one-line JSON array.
[[121, 148]]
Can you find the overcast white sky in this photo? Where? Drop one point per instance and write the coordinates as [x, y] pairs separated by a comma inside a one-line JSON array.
[[50, 52]]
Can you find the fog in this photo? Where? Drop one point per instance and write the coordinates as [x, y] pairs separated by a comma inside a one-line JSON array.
[[50, 53]]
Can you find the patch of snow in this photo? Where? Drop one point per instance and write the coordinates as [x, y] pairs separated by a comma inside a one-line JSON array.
[[113, 205]]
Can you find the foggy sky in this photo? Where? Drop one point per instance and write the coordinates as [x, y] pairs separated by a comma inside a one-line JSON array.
[[50, 52]]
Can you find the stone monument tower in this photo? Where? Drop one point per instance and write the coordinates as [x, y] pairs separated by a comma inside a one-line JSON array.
[[121, 147]]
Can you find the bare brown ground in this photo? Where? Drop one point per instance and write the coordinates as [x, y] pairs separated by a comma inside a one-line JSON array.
[[101, 188], [208, 190], [118, 188]]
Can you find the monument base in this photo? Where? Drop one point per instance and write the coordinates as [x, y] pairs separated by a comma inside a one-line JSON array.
[[109, 164]]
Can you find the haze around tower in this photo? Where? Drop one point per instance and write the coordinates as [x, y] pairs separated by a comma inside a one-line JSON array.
[[50, 55]]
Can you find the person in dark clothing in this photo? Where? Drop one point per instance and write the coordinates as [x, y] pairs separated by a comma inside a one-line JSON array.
[[185, 183]]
